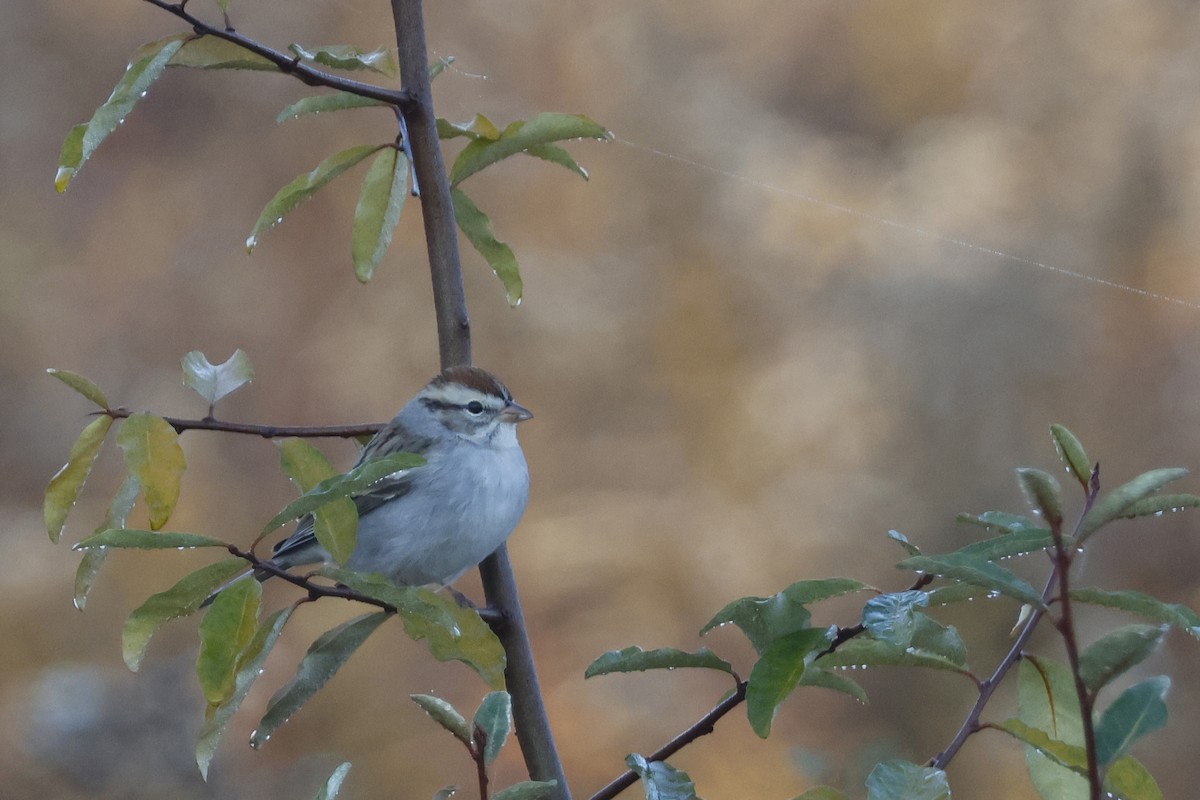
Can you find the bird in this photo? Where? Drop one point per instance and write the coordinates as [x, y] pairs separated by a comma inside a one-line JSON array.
[[430, 524]]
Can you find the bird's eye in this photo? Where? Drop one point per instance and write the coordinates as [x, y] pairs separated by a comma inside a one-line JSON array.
[[475, 407]]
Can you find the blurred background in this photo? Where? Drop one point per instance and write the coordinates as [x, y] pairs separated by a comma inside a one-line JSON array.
[[778, 321]]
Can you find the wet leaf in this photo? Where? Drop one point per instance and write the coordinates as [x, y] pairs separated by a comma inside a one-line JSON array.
[[323, 659], [1116, 652], [821, 793], [478, 230], [1017, 543], [660, 780], [764, 619], [977, 571], [1070, 756], [893, 617], [519, 137], [289, 197], [181, 600], [1129, 780], [145, 66], [1043, 492], [1002, 521], [451, 632], [153, 455], [1143, 605], [215, 381], [1072, 454], [816, 675], [213, 52], [147, 540], [63, 490], [445, 715], [437, 67], [902, 780], [334, 784], [777, 673], [902, 540], [1159, 504], [317, 104], [225, 631], [1116, 503], [82, 385], [249, 667], [348, 57], [1047, 701], [93, 559], [635, 659], [480, 127], [378, 211], [494, 721], [335, 523], [526, 790]]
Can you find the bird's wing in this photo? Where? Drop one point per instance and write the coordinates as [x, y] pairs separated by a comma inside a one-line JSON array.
[[391, 439]]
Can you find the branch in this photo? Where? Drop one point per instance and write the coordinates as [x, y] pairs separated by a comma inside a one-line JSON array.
[[288, 63], [454, 342], [265, 431], [704, 725]]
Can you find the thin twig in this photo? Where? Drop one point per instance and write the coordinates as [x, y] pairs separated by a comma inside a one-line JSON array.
[[265, 431], [286, 62]]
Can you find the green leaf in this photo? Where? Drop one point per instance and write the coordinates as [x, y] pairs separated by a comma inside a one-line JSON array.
[[445, 715], [764, 619], [145, 66], [438, 66], [1047, 701], [660, 780], [378, 210], [933, 646], [1159, 504], [82, 385], [213, 52], [350, 483], [777, 673], [1129, 780], [1144, 605], [493, 722], [893, 617], [821, 793], [334, 784], [557, 155], [223, 5], [225, 631], [909, 547], [955, 593], [903, 780], [180, 600], [1017, 543], [1117, 652], [215, 381], [335, 522], [348, 57], [526, 790], [1139, 710], [93, 559], [153, 455], [249, 667], [147, 540], [1070, 756], [305, 186], [452, 633], [815, 675], [64, 488], [519, 137], [635, 659], [1072, 454], [480, 127], [1001, 520], [324, 658], [478, 229], [1116, 503], [978, 571], [1043, 492], [316, 104]]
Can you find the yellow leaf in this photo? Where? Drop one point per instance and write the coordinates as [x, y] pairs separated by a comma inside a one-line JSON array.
[[63, 489], [153, 456]]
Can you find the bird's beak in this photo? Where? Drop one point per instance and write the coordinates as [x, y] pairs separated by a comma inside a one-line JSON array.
[[514, 412]]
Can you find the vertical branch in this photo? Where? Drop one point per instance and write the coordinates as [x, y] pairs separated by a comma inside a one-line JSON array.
[[437, 210], [454, 337]]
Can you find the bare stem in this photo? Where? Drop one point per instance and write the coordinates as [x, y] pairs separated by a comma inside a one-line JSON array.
[[286, 62], [265, 431]]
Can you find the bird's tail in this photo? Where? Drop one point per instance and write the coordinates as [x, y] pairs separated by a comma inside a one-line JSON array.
[[257, 574]]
